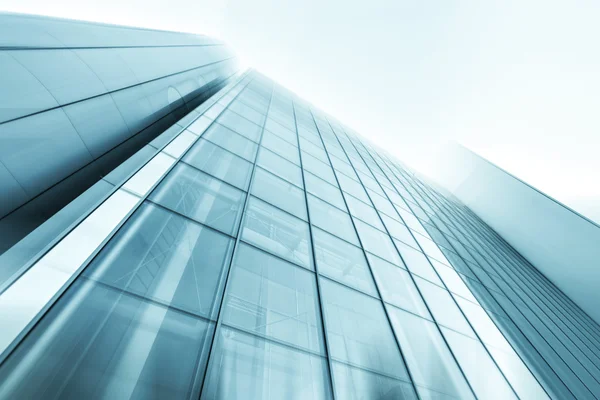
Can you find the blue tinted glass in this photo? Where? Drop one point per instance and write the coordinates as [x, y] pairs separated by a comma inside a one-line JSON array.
[[331, 219], [201, 197], [358, 330], [247, 367], [277, 232], [220, 163], [165, 257], [279, 193], [270, 297], [98, 341]]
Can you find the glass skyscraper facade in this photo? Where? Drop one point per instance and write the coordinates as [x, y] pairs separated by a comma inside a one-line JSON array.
[[260, 249]]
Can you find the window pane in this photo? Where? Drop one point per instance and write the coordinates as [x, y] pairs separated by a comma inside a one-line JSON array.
[[231, 141], [201, 197], [240, 125], [277, 232], [247, 112], [246, 367], [429, 360], [280, 130], [354, 188], [280, 193], [382, 204], [220, 163], [343, 262], [331, 219], [431, 249], [443, 308], [417, 263], [359, 384], [399, 231], [320, 169], [364, 212], [162, 256], [100, 342], [377, 242], [281, 147], [272, 298], [482, 373], [396, 286], [280, 167], [324, 190], [358, 330]]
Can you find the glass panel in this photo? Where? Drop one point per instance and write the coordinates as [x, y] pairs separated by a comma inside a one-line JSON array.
[[324, 190], [417, 263], [247, 112], [359, 332], [364, 212], [397, 287], [280, 167], [359, 384], [343, 262], [167, 258], [246, 367], [377, 242], [231, 141], [382, 204], [220, 163], [483, 375], [201, 197], [272, 298], [354, 188], [277, 232], [443, 308], [430, 362], [453, 281], [399, 231], [281, 147], [431, 249], [320, 169], [97, 341], [279, 130], [280, 193], [331, 219], [240, 125]]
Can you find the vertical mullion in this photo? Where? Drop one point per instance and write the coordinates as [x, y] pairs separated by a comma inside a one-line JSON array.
[[313, 255], [512, 320], [219, 322], [434, 270], [410, 274], [367, 262]]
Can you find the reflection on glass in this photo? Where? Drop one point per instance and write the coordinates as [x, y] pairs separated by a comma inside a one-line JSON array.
[[429, 360], [417, 263], [483, 375], [246, 367], [331, 219], [220, 163], [272, 298], [442, 306], [167, 258], [342, 262], [377, 242], [201, 197], [280, 167], [397, 287], [358, 384], [359, 332], [231, 141], [100, 342], [277, 232], [279, 193]]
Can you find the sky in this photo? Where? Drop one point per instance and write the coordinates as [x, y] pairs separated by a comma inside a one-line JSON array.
[[516, 81]]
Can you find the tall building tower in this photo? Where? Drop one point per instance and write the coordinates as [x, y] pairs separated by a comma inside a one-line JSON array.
[[253, 248]]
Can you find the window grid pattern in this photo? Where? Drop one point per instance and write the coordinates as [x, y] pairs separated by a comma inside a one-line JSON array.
[[284, 256]]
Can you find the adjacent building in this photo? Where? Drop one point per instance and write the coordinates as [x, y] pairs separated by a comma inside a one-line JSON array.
[[258, 248]]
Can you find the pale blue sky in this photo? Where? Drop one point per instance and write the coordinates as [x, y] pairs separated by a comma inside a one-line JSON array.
[[515, 80]]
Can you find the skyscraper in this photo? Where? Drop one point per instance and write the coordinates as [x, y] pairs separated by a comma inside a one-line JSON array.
[[260, 249]]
